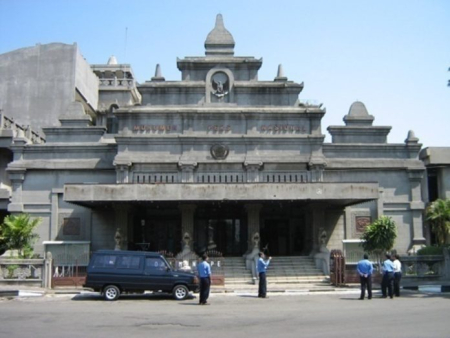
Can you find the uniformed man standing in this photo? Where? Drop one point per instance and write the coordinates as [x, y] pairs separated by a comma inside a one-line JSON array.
[[262, 267], [204, 273]]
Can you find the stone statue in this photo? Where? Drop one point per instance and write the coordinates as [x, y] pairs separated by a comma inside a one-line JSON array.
[[322, 258], [186, 242], [118, 239], [255, 240], [322, 236]]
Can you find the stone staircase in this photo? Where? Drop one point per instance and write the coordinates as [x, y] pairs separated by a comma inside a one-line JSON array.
[[284, 273]]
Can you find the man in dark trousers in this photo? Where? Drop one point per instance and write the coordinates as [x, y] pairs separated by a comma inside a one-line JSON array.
[[365, 270], [262, 267], [204, 273], [388, 278]]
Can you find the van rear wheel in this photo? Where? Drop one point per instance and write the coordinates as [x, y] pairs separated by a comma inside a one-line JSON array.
[[180, 292], [111, 292]]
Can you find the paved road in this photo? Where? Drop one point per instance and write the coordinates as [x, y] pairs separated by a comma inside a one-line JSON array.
[[306, 315]]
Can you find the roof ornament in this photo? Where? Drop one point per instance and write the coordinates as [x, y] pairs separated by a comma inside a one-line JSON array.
[[280, 75], [112, 60], [158, 74], [411, 138], [219, 41]]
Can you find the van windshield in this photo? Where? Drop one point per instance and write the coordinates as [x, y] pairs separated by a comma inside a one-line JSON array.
[[155, 265]]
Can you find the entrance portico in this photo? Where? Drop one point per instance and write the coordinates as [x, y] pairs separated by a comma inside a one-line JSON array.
[[286, 216]]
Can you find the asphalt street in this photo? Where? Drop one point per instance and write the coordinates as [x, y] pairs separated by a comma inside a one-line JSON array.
[[332, 314]]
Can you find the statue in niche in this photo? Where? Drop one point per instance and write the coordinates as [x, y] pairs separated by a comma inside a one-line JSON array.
[[220, 84], [211, 244], [255, 240], [322, 237], [118, 238], [186, 241]]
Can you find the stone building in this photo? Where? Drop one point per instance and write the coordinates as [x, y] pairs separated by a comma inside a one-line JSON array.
[[214, 160]]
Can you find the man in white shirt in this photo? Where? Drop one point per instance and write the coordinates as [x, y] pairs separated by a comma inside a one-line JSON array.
[[397, 275]]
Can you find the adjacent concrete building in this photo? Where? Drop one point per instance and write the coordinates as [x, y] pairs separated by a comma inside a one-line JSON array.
[[219, 160]]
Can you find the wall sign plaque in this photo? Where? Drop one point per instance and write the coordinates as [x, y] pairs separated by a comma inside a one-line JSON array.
[[71, 226], [219, 151], [361, 222]]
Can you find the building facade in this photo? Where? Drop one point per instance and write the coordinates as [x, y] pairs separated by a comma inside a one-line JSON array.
[[217, 161]]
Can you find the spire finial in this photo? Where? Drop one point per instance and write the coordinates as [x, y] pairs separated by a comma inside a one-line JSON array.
[[280, 74], [411, 138], [219, 41], [158, 74], [112, 60]]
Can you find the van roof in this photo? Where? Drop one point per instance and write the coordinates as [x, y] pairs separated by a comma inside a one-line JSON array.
[[125, 252]]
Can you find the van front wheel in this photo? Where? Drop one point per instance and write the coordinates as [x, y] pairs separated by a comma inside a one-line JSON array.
[[111, 292], [180, 292]]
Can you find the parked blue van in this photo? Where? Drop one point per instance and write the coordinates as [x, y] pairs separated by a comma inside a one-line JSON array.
[[113, 272]]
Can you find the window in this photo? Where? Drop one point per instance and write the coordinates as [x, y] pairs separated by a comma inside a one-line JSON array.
[[105, 261], [155, 265], [129, 262]]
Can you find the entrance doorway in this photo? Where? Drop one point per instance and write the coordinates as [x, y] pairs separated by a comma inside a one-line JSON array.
[[282, 237], [162, 234], [227, 235]]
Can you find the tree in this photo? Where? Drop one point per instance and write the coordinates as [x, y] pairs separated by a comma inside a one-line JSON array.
[[17, 232], [379, 237], [438, 213]]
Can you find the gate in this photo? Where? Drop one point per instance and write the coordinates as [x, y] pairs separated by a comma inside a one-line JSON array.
[[69, 263], [337, 268]]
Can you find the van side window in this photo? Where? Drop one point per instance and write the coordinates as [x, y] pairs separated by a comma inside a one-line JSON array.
[[104, 261], [129, 262], [155, 265]]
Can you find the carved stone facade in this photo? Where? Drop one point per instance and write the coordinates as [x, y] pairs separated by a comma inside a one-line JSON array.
[[217, 159]]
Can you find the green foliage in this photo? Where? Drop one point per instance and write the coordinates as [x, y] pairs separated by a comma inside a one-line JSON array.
[[438, 213], [430, 250], [11, 268], [379, 236], [17, 232]]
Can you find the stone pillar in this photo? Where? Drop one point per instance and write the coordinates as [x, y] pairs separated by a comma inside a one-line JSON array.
[[187, 171], [54, 220], [187, 226], [16, 176], [121, 226], [123, 172], [318, 223], [252, 170], [253, 222], [417, 207], [380, 203]]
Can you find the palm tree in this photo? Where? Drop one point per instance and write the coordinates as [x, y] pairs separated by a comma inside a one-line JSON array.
[[438, 213], [379, 237], [17, 233]]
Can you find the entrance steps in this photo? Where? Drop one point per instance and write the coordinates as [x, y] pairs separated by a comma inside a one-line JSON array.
[[284, 272]]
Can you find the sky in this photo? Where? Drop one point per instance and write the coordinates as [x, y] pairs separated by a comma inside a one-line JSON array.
[[394, 56]]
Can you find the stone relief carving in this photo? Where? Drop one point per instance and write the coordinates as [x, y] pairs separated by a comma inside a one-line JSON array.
[[219, 151], [220, 84]]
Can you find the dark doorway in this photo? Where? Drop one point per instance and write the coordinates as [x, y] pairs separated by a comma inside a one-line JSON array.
[[223, 229], [282, 237], [162, 234]]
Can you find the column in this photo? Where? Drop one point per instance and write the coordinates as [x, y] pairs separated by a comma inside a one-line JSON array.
[[16, 176], [253, 223], [187, 171], [318, 223], [253, 171], [187, 225], [121, 225], [417, 207], [123, 172]]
